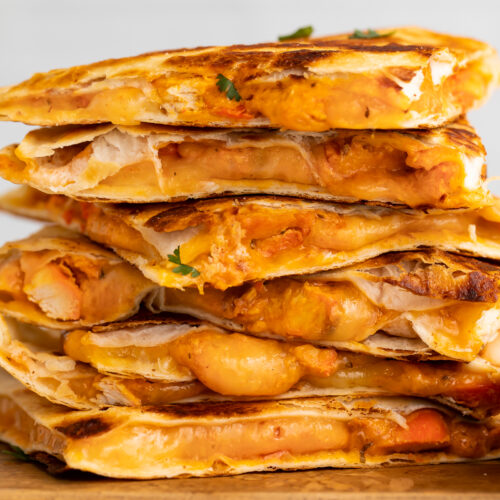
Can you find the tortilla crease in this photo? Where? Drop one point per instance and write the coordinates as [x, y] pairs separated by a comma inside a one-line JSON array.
[[227, 241], [59, 279], [408, 78], [162, 360], [443, 168], [226, 438]]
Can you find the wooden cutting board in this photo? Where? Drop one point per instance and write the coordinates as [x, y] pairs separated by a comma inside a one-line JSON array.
[[26, 481]]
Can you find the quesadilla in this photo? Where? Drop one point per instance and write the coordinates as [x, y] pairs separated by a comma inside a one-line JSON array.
[[227, 241], [200, 439], [443, 168], [431, 303], [60, 279], [407, 78], [165, 360]]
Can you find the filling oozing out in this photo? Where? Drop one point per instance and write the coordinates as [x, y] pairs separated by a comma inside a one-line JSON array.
[[71, 287], [240, 365], [230, 364], [343, 311]]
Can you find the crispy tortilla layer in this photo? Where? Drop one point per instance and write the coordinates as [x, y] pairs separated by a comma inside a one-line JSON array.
[[410, 78], [228, 241], [230, 438], [442, 167], [60, 279]]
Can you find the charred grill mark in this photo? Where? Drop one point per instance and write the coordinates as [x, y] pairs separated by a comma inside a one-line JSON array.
[[85, 428], [464, 137], [209, 409], [176, 218], [147, 318], [364, 46], [403, 74], [478, 288], [300, 59], [474, 287], [384, 81]]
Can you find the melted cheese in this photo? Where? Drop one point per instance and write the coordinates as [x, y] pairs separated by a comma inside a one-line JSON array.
[[53, 287], [340, 311], [233, 365]]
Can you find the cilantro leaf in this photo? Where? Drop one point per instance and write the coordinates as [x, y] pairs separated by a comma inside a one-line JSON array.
[[304, 32], [227, 86], [18, 454], [181, 268], [369, 34]]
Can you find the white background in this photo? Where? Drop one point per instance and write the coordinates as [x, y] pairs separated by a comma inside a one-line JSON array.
[[37, 35]]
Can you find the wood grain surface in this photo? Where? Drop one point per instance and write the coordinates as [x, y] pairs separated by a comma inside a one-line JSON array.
[[27, 481]]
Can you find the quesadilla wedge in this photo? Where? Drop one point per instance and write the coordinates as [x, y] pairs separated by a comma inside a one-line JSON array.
[[60, 279], [228, 241], [201, 439], [408, 78], [432, 303], [443, 168], [162, 360]]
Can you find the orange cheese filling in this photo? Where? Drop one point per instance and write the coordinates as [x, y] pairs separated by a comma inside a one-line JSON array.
[[307, 103], [118, 447], [70, 287], [240, 365], [230, 364], [473, 389], [331, 312]]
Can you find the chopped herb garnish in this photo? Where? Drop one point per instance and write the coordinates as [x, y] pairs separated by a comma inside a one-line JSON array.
[[227, 86], [18, 454], [181, 268], [304, 32], [369, 34]]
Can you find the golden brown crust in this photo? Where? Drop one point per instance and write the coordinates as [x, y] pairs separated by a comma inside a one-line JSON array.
[[413, 78], [443, 167], [226, 438]]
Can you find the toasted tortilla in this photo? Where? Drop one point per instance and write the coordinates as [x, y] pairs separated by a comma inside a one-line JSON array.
[[443, 168], [171, 360], [201, 439], [227, 241], [59, 279], [408, 78]]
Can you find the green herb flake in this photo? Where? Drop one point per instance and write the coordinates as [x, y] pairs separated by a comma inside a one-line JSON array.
[[18, 454], [304, 32], [370, 34], [227, 86], [181, 268]]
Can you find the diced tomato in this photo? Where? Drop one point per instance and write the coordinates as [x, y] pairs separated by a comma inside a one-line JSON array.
[[426, 429]]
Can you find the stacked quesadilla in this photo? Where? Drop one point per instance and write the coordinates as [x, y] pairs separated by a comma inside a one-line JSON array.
[[279, 256]]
